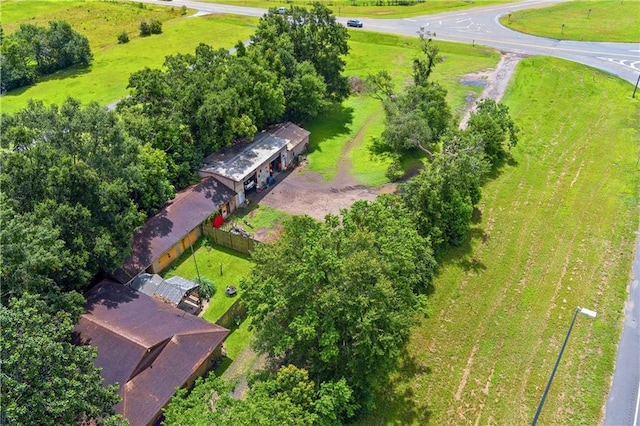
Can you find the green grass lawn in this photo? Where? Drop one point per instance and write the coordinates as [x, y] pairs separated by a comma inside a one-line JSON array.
[[348, 129], [596, 20], [258, 216], [107, 77], [556, 230], [210, 258], [370, 9]]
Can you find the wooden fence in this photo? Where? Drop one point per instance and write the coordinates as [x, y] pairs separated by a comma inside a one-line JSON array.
[[227, 239], [237, 310]]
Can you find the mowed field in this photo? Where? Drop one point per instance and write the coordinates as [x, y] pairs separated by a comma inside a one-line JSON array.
[[555, 230]]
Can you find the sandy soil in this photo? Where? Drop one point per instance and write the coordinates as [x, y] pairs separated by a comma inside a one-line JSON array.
[[305, 192]]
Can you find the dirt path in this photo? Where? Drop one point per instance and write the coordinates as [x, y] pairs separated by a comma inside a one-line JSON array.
[[305, 192]]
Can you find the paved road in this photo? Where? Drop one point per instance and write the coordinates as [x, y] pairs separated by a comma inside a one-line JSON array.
[[481, 26], [623, 404]]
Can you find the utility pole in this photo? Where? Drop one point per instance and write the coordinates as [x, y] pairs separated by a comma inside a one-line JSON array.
[[193, 254]]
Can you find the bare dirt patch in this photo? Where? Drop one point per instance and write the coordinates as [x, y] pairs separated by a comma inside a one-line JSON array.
[[305, 192]]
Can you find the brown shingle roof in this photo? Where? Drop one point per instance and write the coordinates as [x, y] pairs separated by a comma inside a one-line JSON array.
[[179, 217], [148, 347]]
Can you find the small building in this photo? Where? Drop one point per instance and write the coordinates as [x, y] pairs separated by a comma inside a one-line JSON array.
[[148, 347], [246, 167], [175, 228]]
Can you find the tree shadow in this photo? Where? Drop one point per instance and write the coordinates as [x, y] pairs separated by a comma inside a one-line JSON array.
[[68, 73], [396, 402], [335, 121], [462, 255]]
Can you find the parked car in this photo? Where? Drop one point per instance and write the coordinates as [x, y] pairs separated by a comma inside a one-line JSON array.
[[354, 23], [282, 10]]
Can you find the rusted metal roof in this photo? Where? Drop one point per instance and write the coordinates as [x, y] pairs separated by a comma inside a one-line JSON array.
[[149, 347], [180, 216]]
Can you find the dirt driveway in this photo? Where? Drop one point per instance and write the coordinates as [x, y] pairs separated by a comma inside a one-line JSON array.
[[305, 192]]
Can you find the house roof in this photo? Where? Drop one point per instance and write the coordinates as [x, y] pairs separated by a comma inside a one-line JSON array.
[[241, 160], [147, 346], [180, 216]]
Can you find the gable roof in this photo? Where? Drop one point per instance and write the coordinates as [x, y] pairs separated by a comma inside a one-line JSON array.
[[180, 216], [147, 346], [241, 160]]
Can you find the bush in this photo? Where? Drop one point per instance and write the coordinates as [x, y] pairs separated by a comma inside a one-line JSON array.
[[207, 287], [145, 29], [156, 26], [183, 10], [395, 172], [123, 37]]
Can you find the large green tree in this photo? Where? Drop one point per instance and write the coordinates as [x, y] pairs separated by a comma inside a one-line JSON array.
[[443, 195], [46, 379], [493, 125], [316, 37], [74, 170], [338, 298]]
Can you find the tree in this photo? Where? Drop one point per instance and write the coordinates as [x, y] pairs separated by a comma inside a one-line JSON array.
[[32, 252], [75, 168], [414, 120], [316, 37], [443, 195], [288, 397], [46, 379], [492, 123], [337, 298]]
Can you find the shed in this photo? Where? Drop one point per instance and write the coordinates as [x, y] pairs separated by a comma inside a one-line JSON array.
[[245, 166]]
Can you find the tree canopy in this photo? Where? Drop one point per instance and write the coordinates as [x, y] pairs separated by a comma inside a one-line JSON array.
[[287, 397], [46, 379], [33, 50], [79, 186], [337, 298]]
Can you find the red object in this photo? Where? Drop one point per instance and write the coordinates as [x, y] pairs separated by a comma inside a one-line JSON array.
[[218, 221]]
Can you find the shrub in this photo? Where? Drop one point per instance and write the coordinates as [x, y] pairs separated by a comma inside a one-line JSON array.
[[207, 287], [395, 172], [123, 37], [183, 10], [156, 26], [145, 29]]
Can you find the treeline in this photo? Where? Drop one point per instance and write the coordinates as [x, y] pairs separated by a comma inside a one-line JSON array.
[[201, 102], [33, 51], [337, 300]]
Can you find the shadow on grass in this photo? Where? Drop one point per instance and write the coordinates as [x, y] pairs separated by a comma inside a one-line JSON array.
[[69, 73], [332, 123], [396, 402], [462, 255]]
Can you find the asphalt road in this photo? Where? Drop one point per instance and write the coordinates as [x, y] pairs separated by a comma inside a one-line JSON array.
[[623, 404], [481, 26]]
